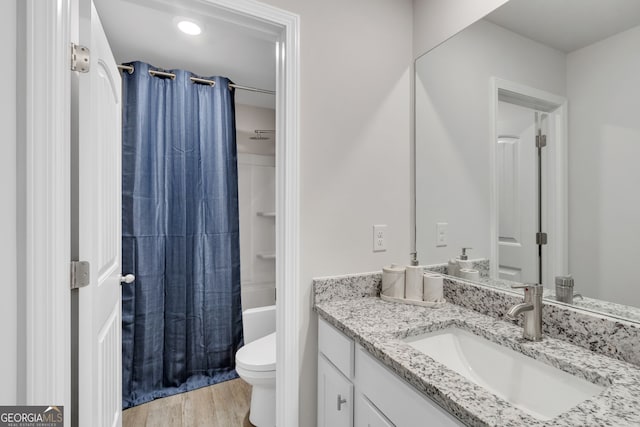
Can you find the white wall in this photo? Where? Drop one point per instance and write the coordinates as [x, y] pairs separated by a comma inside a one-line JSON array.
[[256, 193], [434, 21], [453, 124], [355, 140], [250, 118], [603, 82], [9, 300]]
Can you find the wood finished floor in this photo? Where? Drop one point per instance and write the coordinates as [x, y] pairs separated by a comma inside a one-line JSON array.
[[221, 405]]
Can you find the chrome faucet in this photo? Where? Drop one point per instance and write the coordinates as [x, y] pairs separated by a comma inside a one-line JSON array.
[[532, 309]]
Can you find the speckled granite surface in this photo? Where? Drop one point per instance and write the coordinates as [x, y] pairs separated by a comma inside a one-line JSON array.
[[605, 335], [346, 287], [360, 319], [379, 326], [436, 268], [606, 308], [480, 264], [622, 312]]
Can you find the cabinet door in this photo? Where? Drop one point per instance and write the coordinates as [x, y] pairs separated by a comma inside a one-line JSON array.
[[335, 396], [367, 415]]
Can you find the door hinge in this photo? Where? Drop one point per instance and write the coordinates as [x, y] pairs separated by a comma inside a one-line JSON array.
[[541, 141], [80, 58], [79, 274], [541, 238]]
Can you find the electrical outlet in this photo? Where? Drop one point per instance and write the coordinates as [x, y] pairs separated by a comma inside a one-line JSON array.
[[442, 234], [379, 238]]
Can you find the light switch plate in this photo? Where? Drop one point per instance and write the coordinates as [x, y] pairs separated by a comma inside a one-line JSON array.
[[442, 234], [379, 238]]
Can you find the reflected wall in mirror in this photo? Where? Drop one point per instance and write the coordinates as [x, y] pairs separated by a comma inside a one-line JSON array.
[[571, 70]]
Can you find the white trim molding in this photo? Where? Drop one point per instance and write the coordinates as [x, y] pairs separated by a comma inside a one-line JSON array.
[[287, 199], [44, 207], [44, 180], [287, 228]]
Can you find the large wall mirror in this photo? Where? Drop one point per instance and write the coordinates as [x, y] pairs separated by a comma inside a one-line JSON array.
[[528, 149]]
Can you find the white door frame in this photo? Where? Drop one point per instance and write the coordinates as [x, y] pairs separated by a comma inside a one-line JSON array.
[[44, 183], [557, 217], [287, 196], [43, 162]]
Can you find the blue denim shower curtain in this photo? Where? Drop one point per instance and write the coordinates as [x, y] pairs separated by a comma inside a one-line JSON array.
[[181, 318]]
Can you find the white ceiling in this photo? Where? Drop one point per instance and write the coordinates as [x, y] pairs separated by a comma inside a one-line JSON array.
[[230, 46], [567, 25]]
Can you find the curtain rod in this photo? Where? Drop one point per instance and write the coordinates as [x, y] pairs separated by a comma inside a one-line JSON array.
[[129, 69]]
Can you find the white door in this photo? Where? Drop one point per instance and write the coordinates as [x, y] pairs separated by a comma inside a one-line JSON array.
[[517, 193], [99, 229]]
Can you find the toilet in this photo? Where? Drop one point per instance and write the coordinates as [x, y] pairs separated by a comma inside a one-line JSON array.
[[256, 363]]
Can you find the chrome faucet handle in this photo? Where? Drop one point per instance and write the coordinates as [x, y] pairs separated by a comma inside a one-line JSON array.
[[531, 307], [525, 285], [535, 289]]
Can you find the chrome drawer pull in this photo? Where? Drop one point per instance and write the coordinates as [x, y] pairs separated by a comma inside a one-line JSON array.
[[341, 400]]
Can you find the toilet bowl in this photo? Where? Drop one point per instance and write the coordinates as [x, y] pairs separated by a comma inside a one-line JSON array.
[[256, 364]]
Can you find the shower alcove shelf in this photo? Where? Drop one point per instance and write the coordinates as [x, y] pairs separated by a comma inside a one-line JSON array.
[[267, 214], [267, 255]]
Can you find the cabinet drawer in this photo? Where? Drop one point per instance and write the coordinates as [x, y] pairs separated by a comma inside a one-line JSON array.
[[396, 399], [336, 347]]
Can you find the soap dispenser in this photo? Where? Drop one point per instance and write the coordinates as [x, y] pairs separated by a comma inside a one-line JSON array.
[[463, 256], [454, 265], [463, 266]]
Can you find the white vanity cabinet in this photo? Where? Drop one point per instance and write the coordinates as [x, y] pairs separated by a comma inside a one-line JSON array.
[[335, 396], [367, 415], [335, 376], [355, 389], [395, 398]]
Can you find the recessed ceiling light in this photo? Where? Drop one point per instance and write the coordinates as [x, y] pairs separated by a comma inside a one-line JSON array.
[[189, 27]]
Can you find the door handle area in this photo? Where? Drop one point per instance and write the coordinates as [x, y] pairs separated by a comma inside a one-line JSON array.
[[129, 278], [341, 401]]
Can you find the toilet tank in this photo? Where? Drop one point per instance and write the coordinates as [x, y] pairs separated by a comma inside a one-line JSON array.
[[258, 322]]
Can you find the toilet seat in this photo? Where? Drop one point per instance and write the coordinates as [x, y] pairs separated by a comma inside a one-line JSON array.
[[258, 355]]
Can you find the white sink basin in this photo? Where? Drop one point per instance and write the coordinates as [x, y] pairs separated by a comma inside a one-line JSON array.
[[538, 389]]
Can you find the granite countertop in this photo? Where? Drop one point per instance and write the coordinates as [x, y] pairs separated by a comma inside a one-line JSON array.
[[607, 308], [379, 326]]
